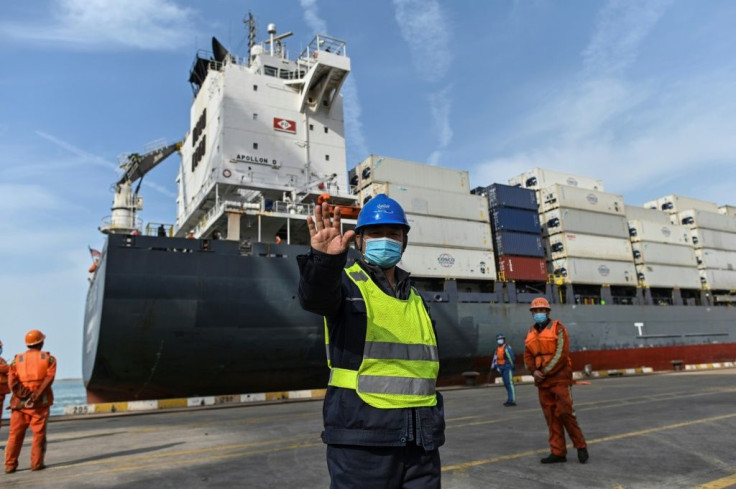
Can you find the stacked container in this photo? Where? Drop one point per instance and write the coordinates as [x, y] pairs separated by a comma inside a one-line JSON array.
[[450, 234], [586, 235], [516, 233], [713, 236]]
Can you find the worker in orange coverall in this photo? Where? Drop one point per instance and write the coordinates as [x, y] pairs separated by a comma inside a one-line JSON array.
[[547, 356], [30, 377], [4, 389]]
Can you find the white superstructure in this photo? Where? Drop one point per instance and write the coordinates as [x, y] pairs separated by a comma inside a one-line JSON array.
[[266, 138]]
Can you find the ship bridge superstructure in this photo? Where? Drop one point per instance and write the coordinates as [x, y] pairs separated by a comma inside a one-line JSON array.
[[266, 140]]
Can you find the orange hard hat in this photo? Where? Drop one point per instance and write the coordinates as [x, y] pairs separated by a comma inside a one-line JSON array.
[[540, 303], [34, 337]]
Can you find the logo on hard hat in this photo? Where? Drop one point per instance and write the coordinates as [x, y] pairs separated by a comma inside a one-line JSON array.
[[385, 208]]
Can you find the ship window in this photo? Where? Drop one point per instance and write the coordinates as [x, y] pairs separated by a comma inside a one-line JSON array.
[[269, 70], [255, 88], [255, 145], [255, 116], [285, 74], [326, 130], [327, 157], [311, 127]]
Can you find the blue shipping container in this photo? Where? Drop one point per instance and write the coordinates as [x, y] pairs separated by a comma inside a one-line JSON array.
[[500, 195], [510, 219], [520, 244]]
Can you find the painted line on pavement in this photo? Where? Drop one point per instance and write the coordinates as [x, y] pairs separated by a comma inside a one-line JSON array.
[[728, 481]]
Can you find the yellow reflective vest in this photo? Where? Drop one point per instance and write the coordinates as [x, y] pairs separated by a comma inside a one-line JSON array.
[[400, 358]]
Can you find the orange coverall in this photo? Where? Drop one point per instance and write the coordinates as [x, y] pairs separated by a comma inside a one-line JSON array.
[[4, 388], [31, 373], [547, 349]]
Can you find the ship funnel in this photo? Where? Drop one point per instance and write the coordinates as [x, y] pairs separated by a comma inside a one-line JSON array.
[[220, 52]]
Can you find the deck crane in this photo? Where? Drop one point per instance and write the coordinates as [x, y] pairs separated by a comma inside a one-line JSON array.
[[126, 202]]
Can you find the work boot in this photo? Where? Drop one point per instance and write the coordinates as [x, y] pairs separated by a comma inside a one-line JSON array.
[[40, 467], [553, 459], [9, 470], [583, 455]]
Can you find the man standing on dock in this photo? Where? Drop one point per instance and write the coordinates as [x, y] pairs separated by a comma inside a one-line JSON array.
[[4, 388], [503, 361], [30, 377], [547, 356], [383, 419]]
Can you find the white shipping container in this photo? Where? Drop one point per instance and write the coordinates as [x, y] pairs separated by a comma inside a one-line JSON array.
[[595, 272], [380, 169], [708, 258], [669, 276], [439, 231], [648, 252], [646, 214], [540, 178], [718, 240], [577, 245], [432, 202], [658, 233], [672, 204], [556, 196], [430, 261], [706, 220], [585, 222], [652, 204], [728, 210], [718, 279]]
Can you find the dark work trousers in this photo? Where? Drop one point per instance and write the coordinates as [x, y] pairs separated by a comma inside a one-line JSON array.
[[359, 467]]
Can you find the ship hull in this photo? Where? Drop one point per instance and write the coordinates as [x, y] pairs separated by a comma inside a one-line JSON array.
[[167, 317]]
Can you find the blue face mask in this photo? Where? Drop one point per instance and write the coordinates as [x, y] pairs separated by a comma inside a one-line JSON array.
[[540, 317], [383, 252]]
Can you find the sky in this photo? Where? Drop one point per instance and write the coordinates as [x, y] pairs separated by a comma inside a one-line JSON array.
[[641, 95]]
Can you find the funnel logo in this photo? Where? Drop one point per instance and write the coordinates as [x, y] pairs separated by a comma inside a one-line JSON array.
[[446, 260], [284, 125], [604, 270]]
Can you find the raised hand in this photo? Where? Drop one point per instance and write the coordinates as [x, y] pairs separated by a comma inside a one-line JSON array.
[[325, 233]]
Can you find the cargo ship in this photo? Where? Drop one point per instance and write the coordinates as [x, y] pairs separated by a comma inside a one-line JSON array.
[[208, 305]]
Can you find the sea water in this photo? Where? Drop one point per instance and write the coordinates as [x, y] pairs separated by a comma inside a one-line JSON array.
[[67, 392]]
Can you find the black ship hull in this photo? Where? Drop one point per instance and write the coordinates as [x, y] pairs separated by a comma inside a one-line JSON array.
[[169, 317]]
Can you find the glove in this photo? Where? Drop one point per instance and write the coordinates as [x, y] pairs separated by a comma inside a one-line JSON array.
[[22, 392]]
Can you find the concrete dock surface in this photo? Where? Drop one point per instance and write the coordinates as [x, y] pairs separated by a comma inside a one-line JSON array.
[[656, 431]]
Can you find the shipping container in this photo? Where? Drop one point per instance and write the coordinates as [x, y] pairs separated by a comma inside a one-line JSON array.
[[717, 240], [658, 233], [594, 272], [585, 222], [500, 195], [714, 279], [727, 210], [652, 204], [707, 220], [648, 252], [521, 244], [380, 169], [435, 262], [672, 204], [646, 214], [522, 268], [708, 258], [578, 245], [540, 178], [520, 220], [556, 196], [430, 202], [668, 276], [440, 231]]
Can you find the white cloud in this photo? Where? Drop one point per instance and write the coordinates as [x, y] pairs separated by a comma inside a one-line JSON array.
[[104, 24], [425, 29], [351, 100]]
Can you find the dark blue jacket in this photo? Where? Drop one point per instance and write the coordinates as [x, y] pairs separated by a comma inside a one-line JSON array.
[[325, 289]]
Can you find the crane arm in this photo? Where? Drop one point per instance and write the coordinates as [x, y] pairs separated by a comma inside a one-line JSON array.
[[136, 165]]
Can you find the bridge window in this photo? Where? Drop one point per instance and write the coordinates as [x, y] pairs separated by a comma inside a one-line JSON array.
[[327, 157], [255, 88], [270, 70], [255, 145]]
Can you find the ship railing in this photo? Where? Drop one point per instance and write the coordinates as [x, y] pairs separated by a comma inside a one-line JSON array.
[[282, 207], [153, 227], [324, 43], [113, 223]]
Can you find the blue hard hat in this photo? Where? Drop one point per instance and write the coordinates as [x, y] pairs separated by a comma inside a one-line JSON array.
[[499, 336], [381, 209]]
